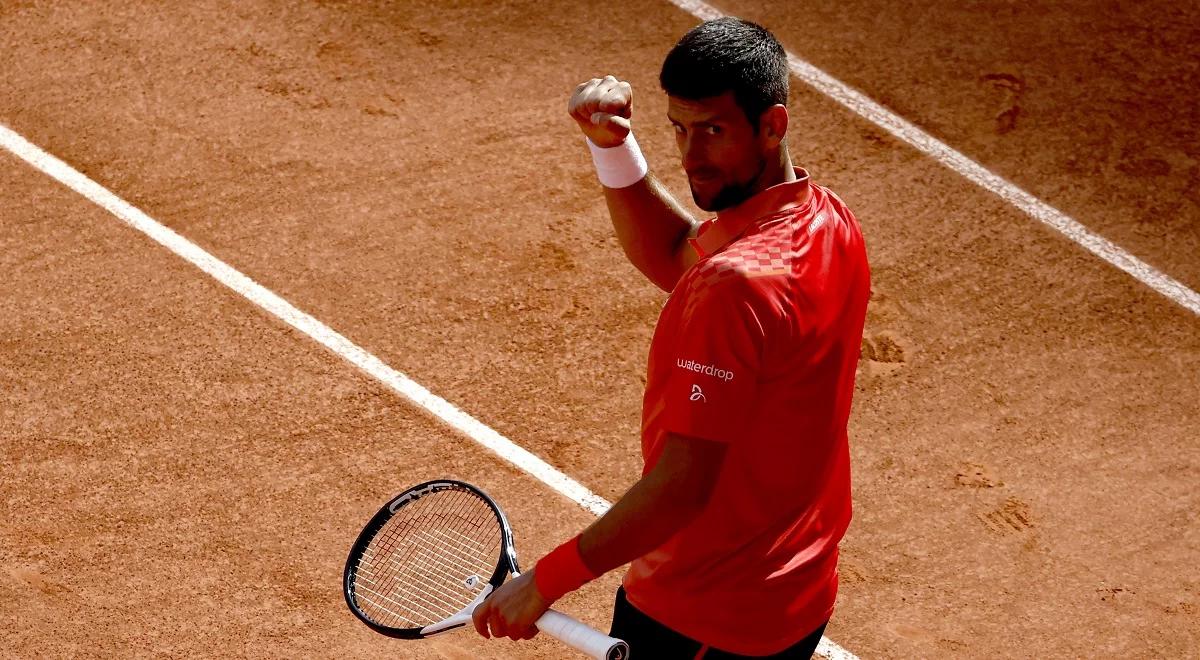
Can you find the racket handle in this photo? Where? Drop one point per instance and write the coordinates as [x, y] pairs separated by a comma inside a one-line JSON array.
[[582, 637]]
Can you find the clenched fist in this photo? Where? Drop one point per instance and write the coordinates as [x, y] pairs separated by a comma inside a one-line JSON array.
[[602, 108]]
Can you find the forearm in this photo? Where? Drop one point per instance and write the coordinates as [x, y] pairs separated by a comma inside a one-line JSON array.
[[644, 518], [660, 504], [652, 228], [650, 224]]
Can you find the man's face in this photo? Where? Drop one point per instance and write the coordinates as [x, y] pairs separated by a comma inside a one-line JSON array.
[[721, 152]]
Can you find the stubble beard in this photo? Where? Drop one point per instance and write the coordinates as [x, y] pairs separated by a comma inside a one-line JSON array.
[[732, 194]]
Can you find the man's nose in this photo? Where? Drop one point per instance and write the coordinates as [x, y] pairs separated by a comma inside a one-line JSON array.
[[691, 154]]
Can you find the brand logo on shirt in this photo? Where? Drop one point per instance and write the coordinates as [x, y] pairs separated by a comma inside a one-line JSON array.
[[706, 369], [817, 222], [697, 394]]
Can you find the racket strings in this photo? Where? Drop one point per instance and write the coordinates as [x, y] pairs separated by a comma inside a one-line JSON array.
[[403, 579], [429, 560]]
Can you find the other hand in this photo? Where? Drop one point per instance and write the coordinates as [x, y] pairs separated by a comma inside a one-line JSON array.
[[512, 610], [602, 107]]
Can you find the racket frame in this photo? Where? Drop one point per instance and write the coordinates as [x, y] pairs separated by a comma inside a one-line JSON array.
[[506, 562], [566, 629]]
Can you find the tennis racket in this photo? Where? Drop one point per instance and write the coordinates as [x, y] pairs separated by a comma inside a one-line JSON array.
[[431, 555]]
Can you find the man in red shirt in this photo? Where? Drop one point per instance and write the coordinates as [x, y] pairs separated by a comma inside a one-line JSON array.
[[733, 528]]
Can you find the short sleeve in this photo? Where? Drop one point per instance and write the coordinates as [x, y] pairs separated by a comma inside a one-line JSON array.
[[714, 363]]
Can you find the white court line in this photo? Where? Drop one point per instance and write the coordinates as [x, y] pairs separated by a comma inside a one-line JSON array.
[[321, 333], [943, 153], [285, 311], [976, 173]]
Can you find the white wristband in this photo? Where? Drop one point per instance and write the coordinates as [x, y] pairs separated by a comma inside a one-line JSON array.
[[620, 166]]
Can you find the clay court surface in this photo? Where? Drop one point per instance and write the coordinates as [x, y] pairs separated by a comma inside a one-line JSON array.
[[183, 473]]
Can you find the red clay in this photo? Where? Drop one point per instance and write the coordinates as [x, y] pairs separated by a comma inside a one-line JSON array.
[[183, 474]]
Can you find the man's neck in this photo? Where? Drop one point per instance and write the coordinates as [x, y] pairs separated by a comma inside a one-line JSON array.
[[777, 171]]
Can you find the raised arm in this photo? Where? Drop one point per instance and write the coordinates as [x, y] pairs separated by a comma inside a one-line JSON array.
[[650, 224]]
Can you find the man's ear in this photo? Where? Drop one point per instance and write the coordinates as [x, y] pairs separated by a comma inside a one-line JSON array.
[[773, 125]]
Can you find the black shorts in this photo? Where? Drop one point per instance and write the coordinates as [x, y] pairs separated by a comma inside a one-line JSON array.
[[651, 640]]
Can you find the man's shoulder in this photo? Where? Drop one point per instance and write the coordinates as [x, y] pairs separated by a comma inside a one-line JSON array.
[[734, 279], [765, 252], [734, 270]]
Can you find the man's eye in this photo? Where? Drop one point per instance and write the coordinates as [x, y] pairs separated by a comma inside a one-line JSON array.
[[714, 130]]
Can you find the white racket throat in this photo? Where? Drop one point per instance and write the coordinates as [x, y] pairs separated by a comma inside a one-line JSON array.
[[427, 551], [462, 618]]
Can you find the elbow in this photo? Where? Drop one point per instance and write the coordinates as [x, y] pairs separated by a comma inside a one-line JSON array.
[[667, 285], [666, 278], [691, 497], [661, 277], [687, 473]]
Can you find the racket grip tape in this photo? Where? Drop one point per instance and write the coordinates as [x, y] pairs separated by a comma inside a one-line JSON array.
[[582, 637]]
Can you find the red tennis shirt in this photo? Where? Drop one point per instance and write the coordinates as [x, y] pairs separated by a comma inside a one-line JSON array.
[[757, 347]]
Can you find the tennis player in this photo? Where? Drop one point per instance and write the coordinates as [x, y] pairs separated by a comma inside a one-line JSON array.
[[733, 528]]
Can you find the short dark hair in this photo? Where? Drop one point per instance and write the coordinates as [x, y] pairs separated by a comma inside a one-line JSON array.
[[728, 54]]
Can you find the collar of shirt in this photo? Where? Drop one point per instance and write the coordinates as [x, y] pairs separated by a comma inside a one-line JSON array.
[[733, 222]]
